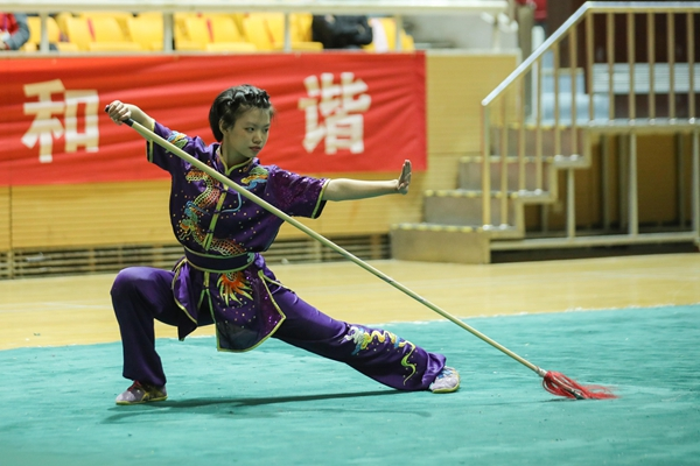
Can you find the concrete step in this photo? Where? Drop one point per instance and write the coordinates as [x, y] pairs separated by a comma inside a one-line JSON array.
[[465, 208], [531, 145], [601, 107], [470, 173], [564, 80], [439, 243]]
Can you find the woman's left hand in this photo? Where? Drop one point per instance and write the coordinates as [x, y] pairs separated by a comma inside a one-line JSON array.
[[404, 180]]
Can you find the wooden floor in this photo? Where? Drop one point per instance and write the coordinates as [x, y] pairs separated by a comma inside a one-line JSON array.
[[77, 310]]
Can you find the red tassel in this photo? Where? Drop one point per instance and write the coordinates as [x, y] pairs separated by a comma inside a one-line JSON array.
[[561, 385]]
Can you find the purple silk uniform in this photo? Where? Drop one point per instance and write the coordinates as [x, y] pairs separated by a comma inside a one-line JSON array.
[[223, 278]]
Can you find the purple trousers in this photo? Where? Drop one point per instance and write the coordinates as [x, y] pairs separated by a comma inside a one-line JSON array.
[[141, 295]]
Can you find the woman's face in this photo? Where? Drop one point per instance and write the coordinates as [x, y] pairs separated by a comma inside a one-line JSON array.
[[247, 137]]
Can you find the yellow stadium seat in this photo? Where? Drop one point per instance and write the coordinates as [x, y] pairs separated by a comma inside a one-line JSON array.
[[29, 47], [245, 47], [301, 26], [211, 33], [114, 47], [256, 33], [119, 16], [190, 33], [78, 32], [34, 23], [238, 20], [67, 47], [196, 30], [179, 24], [147, 31], [236, 17], [223, 29], [98, 34], [106, 29], [34, 42], [61, 21], [266, 31], [184, 45], [275, 25]]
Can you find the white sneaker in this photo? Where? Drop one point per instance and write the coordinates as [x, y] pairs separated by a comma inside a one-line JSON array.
[[142, 393], [447, 381]]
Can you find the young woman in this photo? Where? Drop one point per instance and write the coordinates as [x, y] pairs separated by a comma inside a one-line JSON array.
[[223, 279]]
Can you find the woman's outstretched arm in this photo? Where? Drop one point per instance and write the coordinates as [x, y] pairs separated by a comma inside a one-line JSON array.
[[345, 189]]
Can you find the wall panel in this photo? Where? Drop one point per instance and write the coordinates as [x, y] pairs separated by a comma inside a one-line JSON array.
[[54, 216], [456, 85], [5, 218]]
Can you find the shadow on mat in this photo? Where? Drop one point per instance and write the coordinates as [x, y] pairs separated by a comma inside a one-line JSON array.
[[226, 405]]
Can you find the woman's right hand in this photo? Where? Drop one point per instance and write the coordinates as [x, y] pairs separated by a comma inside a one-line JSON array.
[[119, 112]]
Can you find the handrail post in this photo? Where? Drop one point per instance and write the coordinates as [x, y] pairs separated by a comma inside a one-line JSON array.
[[589, 64], [633, 228], [486, 168], [610, 47], [521, 137], [398, 20], [671, 47], [168, 22], [557, 114], [570, 203], [503, 189], [691, 64], [287, 33], [696, 185], [631, 105], [44, 41], [651, 58], [573, 65], [539, 169]]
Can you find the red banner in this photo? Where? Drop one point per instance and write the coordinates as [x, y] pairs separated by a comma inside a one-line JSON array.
[[335, 112]]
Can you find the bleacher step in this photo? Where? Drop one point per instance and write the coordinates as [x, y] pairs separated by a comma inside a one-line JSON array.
[[440, 243]]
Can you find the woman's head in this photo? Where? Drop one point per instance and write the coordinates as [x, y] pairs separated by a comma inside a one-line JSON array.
[[232, 103]]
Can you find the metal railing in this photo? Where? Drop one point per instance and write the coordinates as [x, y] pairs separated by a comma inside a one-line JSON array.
[[626, 92]]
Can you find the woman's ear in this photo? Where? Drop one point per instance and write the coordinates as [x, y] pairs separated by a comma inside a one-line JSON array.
[[222, 127]]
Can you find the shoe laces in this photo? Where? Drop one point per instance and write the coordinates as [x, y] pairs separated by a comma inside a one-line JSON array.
[[137, 386]]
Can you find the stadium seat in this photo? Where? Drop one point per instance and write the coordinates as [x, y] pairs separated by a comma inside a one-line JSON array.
[[256, 33], [98, 34], [275, 25], [78, 32], [120, 17], [34, 23], [67, 47], [238, 20], [223, 29], [114, 47], [147, 31], [61, 21], [266, 31], [105, 29], [211, 33], [245, 47], [301, 26]]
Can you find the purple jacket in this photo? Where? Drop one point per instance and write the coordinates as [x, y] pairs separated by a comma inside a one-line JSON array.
[[223, 235]]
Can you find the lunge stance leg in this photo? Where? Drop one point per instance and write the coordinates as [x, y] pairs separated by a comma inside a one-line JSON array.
[[376, 353], [140, 295]]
